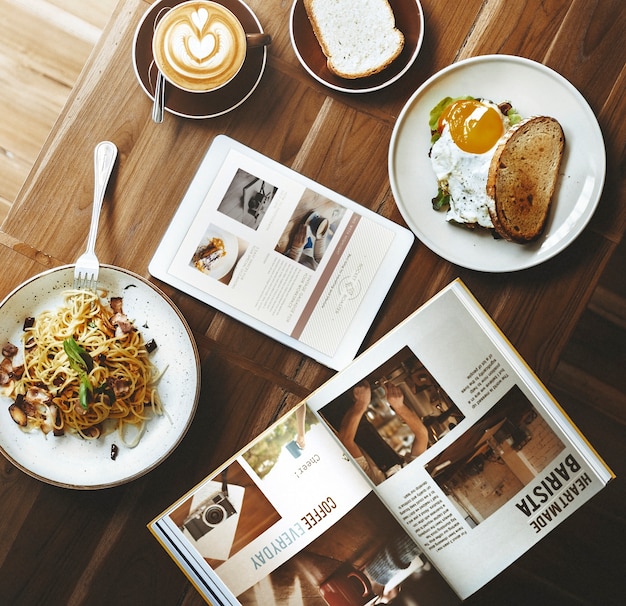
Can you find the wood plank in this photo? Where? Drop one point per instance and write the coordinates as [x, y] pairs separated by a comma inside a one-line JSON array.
[[44, 47], [105, 550]]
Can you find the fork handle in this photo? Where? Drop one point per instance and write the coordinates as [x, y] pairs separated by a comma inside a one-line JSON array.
[[104, 157]]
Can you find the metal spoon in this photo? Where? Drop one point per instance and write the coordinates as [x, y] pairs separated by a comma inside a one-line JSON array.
[[159, 85], [159, 98]]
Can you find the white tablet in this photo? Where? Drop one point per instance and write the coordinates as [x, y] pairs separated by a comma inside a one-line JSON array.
[[281, 253]]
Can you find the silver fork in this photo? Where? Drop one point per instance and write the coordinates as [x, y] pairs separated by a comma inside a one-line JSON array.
[[87, 265]]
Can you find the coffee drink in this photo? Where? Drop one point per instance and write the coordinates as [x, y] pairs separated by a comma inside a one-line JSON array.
[[319, 226], [199, 46]]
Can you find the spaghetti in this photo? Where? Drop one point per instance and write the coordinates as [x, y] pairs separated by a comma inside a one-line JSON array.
[[86, 371]]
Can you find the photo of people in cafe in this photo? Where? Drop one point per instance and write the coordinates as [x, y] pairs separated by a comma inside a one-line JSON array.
[[499, 455], [392, 416]]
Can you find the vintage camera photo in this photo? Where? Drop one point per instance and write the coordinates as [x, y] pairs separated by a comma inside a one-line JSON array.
[[209, 514]]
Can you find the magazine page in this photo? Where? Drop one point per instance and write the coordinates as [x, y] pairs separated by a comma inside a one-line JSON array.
[[291, 519], [462, 441], [281, 252]]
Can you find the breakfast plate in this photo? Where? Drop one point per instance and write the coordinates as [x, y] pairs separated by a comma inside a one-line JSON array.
[[533, 89], [409, 20], [199, 105], [69, 461]]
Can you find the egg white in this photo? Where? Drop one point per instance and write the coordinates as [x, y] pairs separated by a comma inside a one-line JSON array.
[[464, 176]]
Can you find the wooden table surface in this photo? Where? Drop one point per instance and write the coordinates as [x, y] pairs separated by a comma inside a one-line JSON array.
[[92, 547]]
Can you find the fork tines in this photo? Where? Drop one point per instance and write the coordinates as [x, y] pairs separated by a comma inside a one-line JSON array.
[[86, 280]]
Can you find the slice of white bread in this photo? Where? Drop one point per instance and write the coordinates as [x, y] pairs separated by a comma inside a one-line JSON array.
[[358, 37], [522, 178]]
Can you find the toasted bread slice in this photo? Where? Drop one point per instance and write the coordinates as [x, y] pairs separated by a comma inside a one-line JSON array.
[[523, 176], [359, 39]]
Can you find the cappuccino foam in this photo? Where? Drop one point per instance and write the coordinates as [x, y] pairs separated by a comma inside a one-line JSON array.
[[199, 46]]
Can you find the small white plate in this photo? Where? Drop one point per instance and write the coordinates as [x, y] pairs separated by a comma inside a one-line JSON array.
[[222, 266], [409, 20], [533, 89], [69, 461], [199, 105]]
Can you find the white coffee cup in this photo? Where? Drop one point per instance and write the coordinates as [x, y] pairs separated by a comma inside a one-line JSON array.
[[200, 46], [319, 226]]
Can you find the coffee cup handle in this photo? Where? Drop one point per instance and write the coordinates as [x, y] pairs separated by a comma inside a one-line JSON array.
[[258, 39]]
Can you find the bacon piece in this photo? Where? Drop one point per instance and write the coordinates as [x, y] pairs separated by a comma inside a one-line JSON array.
[[37, 395], [122, 324], [119, 319], [121, 387], [50, 419]]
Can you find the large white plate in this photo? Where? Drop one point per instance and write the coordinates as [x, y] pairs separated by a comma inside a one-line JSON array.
[[532, 88], [69, 461]]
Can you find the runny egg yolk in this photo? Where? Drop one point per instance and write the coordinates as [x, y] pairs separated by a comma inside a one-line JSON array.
[[474, 126]]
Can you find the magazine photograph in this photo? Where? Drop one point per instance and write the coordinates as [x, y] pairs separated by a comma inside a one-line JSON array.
[[390, 477]]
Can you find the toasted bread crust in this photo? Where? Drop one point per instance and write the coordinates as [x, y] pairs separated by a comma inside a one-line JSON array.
[[342, 55], [523, 176]]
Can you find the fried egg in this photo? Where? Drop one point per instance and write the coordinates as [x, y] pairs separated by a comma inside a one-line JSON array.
[[470, 130]]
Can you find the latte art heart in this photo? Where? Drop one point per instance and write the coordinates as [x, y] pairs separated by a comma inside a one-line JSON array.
[[199, 17], [199, 46], [200, 49]]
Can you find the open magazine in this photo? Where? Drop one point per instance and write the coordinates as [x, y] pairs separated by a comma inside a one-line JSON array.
[[437, 447], [280, 252]]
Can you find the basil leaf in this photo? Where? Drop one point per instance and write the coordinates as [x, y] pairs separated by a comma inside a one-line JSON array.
[[80, 362], [84, 391], [79, 359]]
